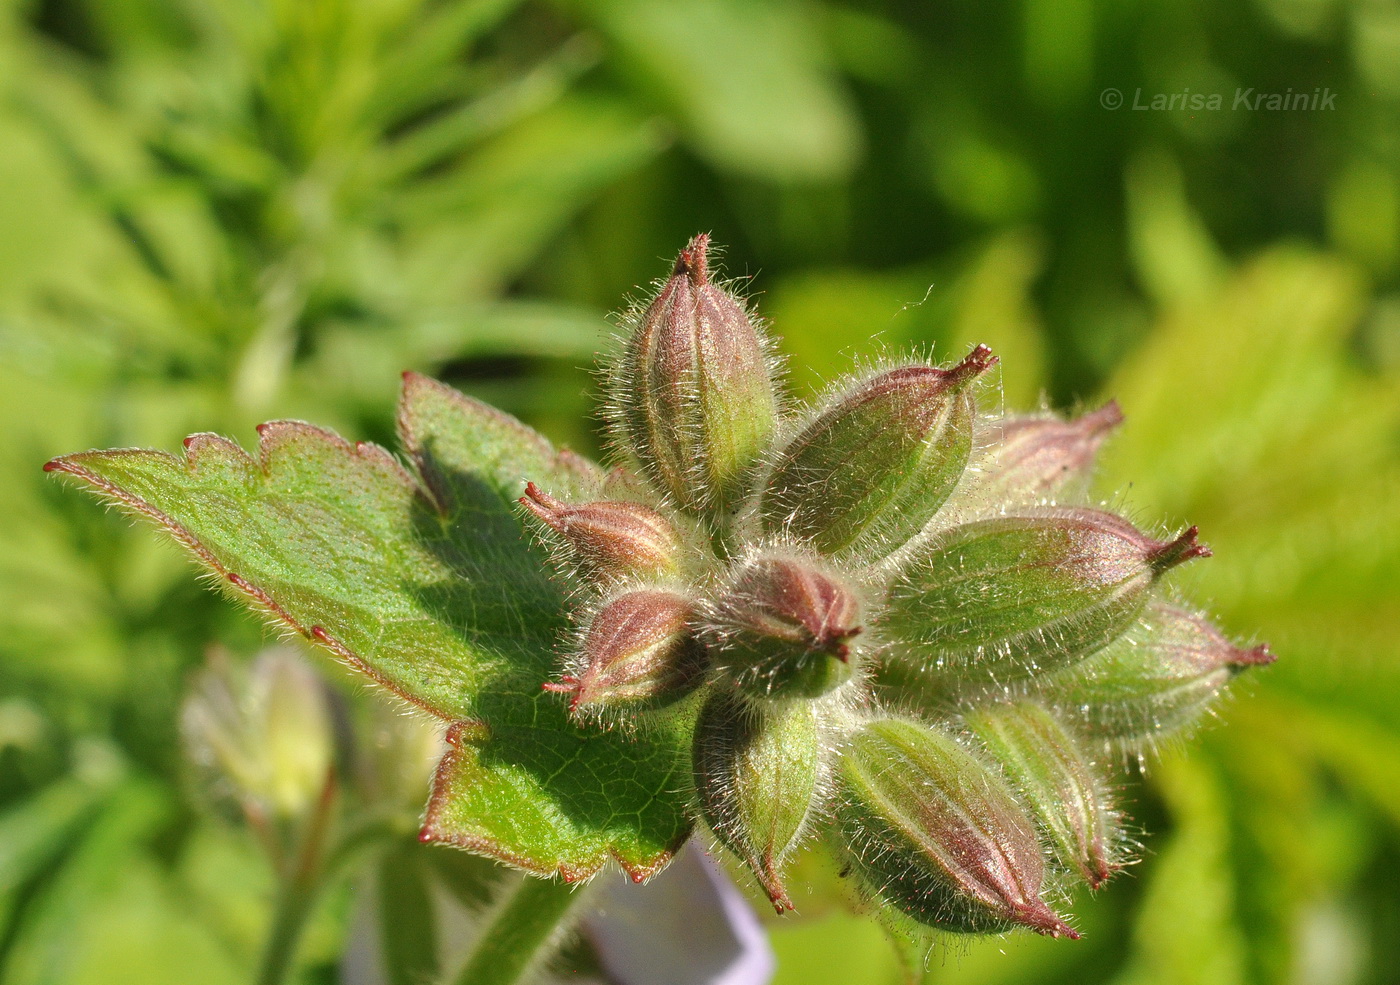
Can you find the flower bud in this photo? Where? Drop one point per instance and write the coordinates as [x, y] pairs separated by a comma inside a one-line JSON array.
[[868, 472], [1039, 458], [1005, 598], [265, 733], [1056, 781], [933, 831], [637, 653], [693, 398], [1158, 677], [757, 771], [610, 538], [785, 626]]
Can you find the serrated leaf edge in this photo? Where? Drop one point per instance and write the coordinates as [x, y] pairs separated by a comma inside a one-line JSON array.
[[270, 435], [584, 470]]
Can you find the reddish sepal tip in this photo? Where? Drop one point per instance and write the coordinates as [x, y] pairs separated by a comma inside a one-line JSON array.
[[1096, 877], [974, 364], [1043, 920], [565, 685], [1103, 420], [53, 465], [694, 260], [1258, 656], [543, 505], [1177, 551], [782, 904]]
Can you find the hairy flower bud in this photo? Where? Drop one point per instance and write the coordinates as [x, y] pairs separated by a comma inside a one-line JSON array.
[[869, 471], [758, 771], [1158, 677], [610, 538], [693, 398], [785, 626], [1002, 599], [637, 653], [932, 830], [1056, 781], [1040, 457]]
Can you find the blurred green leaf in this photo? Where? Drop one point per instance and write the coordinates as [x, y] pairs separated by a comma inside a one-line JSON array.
[[1185, 931], [746, 78]]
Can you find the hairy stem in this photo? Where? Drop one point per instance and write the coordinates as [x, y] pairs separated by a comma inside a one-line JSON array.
[[521, 933]]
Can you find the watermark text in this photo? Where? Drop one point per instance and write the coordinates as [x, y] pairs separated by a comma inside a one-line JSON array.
[[1243, 99]]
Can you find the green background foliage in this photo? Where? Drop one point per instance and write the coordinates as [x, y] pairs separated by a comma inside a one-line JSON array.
[[216, 213]]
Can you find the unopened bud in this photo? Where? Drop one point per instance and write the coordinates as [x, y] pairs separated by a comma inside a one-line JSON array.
[[1005, 598], [264, 733], [867, 473], [611, 538], [932, 830], [757, 772], [1056, 781], [693, 398], [1158, 677], [1041, 457], [786, 626], [637, 653]]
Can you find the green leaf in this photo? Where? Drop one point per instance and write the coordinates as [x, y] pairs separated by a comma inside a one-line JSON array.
[[426, 582]]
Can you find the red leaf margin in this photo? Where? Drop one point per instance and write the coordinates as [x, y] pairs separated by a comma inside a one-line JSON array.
[[460, 732]]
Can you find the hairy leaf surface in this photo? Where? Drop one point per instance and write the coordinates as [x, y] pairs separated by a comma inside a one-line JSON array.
[[425, 580]]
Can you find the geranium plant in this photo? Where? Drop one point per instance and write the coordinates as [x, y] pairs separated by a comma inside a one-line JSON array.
[[888, 625]]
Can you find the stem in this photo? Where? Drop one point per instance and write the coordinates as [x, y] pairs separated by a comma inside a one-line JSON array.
[[520, 934], [300, 884]]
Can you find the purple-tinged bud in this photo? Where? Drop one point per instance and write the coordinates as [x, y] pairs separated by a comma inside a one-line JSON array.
[[1039, 458], [758, 771], [784, 627], [869, 471], [1002, 599], [1057, 782], [1157, 678], [610, 538], [693, 398], [638, 653], [932, 830]]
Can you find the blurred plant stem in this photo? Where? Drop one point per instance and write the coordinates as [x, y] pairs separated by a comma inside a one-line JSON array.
[[300, 879], [520, 934]]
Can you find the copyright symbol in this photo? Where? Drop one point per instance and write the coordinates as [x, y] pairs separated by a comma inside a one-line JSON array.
[[1110, 98]]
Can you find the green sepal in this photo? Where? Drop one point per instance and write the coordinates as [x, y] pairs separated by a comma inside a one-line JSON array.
[[999, 600], [758, 771], [931, 829], [868, 471], [1157, 678], [1056, 781]]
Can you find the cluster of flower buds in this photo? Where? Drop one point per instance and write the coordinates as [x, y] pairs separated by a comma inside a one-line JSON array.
[[899, 626]]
